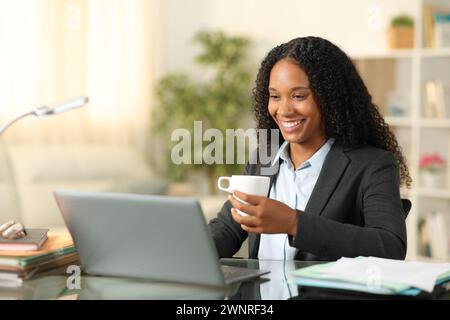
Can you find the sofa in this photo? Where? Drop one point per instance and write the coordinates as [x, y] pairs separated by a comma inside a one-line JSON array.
[[30, 174]]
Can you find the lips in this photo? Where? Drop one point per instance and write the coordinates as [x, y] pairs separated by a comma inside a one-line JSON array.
[[291, 125]]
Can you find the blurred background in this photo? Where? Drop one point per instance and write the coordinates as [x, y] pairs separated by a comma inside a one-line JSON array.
[[150, 66]]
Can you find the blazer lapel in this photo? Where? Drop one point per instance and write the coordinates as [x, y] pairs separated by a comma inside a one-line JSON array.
[[333, 168]]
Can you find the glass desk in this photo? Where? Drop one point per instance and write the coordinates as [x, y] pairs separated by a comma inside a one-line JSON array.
[[53, 285], [276, 285]]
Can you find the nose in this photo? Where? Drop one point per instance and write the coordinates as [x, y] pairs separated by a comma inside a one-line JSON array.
[[285, 107]]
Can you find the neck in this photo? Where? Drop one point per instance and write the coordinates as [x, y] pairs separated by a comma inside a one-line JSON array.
[[300, 152]]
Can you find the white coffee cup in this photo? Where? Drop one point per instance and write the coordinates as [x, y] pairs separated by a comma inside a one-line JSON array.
[[254, 185]]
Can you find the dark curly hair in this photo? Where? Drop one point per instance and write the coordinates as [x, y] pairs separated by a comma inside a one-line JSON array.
[[346, 106]]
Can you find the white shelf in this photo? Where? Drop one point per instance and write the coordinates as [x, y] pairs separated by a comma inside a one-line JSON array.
[[388, 54], [398, 121], [428, 259], [403, 53], [434, 52], [422, 122], [434, 123], [417, 133], [434, 193]]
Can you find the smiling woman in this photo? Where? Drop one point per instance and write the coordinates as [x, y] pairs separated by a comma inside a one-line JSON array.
[[336, 188], [294, 109]]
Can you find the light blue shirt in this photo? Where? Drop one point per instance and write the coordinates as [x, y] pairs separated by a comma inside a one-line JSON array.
[[293, 188]]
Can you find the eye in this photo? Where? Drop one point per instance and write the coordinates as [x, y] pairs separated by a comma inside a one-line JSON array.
[[274, 97], [299, 97]]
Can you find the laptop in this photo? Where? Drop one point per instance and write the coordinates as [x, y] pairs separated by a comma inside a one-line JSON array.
[[145, 236]]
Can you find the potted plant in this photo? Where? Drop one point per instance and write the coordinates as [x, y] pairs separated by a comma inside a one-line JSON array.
[[432, 167], [400, 33], [219, 96]]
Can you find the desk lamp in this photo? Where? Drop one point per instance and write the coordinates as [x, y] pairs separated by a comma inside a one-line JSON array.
[[11, 229], [48, 111]]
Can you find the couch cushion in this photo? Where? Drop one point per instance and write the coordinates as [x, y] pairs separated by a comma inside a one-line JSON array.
[[47, 163], [8, 196], [38, 171]]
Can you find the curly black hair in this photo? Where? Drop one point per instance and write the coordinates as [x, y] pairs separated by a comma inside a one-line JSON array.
[[346, 106]]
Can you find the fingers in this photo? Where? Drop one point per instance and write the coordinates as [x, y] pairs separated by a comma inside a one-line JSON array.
[[247, 208], [251, 199], [247, 221]]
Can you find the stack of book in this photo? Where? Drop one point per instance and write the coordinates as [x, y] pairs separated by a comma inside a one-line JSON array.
[[18, 265]]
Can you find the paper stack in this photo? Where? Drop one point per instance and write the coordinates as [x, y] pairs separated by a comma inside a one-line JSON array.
[[375, 275]]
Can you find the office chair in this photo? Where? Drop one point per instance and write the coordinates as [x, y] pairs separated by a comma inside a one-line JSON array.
[[406, 206]]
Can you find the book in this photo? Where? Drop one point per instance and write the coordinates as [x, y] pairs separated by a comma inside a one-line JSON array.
[[434, 237], [436, 25], [9, 272], [33, 241], [434, 104], [16, 263], [375, 275], [428, 26], [57, 252], [439, 236], [442, 29], [55, 242]]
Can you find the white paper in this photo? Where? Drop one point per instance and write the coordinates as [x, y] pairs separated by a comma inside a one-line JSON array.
[[376, 271]]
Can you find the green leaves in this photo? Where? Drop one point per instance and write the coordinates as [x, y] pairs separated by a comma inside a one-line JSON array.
[[222, 100], [402, 21], [220, 50]]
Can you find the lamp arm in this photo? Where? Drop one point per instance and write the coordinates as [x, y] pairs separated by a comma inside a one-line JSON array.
[[6, 126], [47, 111]]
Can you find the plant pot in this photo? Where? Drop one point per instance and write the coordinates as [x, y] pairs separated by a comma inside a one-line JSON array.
[[400, 37], [435, 180]]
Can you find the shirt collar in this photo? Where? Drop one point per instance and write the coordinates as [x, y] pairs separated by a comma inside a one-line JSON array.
[[282, 153], [316, 161]]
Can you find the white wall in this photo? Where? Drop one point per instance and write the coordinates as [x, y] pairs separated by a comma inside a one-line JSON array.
[[358, 26]]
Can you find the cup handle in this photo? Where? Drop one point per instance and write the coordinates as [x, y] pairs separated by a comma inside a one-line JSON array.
[[219, 184]]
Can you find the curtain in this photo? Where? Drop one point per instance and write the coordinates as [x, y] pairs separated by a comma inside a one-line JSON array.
[[52, 50]]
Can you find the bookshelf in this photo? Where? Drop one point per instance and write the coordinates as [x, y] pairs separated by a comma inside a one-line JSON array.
[[408, 71]]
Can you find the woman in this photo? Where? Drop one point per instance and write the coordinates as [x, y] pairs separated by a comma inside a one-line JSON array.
[[336, 191]]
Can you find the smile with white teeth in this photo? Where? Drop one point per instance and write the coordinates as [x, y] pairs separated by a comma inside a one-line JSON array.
[[291, 124]]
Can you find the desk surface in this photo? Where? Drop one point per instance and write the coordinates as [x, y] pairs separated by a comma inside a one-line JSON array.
[[275, 285]]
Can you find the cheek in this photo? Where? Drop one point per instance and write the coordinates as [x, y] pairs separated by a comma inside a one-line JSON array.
[[317, 119], [312, 111], [272, 109]]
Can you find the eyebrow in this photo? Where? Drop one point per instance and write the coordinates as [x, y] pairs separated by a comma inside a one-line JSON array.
[[292, 89]]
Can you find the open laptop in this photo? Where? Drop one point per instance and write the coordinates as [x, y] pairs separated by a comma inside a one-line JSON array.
[[154, 237]]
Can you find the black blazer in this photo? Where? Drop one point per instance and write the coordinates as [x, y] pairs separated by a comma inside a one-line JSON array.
[[354, 210]]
